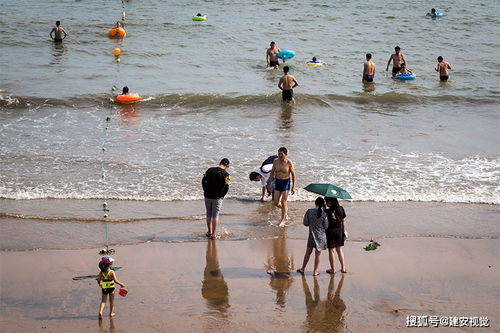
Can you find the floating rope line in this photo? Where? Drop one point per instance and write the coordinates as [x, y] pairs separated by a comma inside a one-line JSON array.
[[123, 11]]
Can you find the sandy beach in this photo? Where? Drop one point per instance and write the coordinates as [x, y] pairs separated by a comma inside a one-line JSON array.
[[250, 285]]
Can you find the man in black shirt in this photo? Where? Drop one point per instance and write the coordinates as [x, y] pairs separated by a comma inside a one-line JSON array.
[[215, 186]]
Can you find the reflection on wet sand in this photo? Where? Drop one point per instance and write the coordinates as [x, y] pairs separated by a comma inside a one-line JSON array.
[[280, 266], [103, 328], [324, 315], [214, 289]]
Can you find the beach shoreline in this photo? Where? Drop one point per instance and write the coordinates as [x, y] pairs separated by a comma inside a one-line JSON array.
[[435, 259]]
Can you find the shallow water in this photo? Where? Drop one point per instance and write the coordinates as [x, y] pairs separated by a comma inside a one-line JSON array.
[[208, 95]]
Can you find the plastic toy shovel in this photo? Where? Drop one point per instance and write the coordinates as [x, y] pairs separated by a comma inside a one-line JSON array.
[[123, 292]]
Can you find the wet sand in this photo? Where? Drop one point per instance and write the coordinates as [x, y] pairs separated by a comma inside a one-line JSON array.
[[225, 286]]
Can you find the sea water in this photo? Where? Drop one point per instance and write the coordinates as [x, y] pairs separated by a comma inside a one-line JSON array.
[[208, 95]]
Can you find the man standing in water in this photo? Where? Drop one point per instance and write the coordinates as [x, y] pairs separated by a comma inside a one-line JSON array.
[[215, 184], [58, 32], [272, 56], [286, 84], [369, 69], [283, 174], [397, 59], [442, 68]]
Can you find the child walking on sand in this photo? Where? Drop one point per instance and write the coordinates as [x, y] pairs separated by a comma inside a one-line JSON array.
[[106, 281], [316, 220]]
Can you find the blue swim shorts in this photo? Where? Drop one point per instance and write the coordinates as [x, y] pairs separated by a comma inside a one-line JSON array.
[[282, 184]]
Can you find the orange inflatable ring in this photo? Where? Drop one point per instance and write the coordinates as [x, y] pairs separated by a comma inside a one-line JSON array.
[[129, 98], [117, 33]]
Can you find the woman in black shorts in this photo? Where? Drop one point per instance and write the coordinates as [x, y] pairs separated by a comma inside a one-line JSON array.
[[335, 234]]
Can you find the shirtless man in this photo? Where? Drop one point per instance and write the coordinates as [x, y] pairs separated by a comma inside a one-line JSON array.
[[442, 68], [396, 58], [368, 69], [286, 84], [58, 32], [272, 56], [283, 174]]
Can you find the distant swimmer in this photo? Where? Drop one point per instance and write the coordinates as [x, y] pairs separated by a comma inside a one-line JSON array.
[[432, 12], [272, 56], [397, 59], [442, 68], [125, 91], [286, 84], [58, 32], [368, 69], [118, 24], [314, 62], [262, 176], [404, 69]]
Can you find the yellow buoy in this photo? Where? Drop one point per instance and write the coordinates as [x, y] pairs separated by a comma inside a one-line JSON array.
[[117, 52]]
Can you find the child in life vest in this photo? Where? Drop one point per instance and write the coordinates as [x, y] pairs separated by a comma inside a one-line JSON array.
[[106, 281]]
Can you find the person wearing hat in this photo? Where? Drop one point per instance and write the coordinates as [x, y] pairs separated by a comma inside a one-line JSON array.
[[106, 281], [215, 184]]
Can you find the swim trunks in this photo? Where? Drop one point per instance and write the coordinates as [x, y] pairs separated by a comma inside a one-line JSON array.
[[282, 184], [443, 77], [368, 78], [57, 40], [395, 70], [273, 63], [287, 94]]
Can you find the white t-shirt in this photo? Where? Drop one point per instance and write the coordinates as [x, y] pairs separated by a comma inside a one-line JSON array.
[[265, 176]]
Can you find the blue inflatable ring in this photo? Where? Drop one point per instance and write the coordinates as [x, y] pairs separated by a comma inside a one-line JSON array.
[[435, 15], [405, 76], [286, 54]]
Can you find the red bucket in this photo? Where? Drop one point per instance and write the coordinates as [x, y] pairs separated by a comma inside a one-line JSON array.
[[123, 292]]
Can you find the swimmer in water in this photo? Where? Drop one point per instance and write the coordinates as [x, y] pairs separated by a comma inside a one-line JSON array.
[[368, 69], [272, 56], [397, 59], [404, 69], [58, 32], [286, 84], [442, 68]]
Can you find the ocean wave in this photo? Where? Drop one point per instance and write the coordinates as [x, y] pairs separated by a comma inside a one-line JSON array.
[[194, 101]]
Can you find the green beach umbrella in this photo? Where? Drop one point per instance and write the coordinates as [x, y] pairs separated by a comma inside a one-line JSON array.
[[328, 190]]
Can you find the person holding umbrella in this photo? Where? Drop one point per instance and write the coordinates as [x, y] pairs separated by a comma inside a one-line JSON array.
[[335, 233]]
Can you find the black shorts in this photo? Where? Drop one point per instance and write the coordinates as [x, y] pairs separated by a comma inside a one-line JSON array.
[[395, 70], [273, 63], [57, 40], [108, 291], [443, 77], [368, 78], [287, 94]]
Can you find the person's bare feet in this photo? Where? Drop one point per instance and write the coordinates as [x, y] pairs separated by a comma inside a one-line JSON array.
[[282, 223], [112, 314], [99, 316]]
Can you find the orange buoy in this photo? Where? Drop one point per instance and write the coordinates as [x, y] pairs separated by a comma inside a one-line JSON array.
[[117, 52], [128, 98], [117, 33]]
